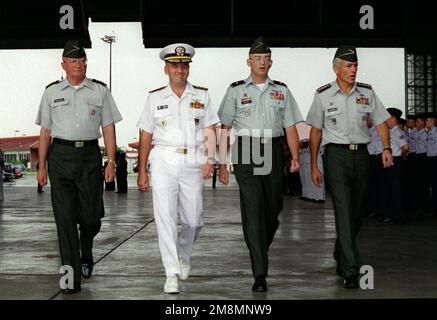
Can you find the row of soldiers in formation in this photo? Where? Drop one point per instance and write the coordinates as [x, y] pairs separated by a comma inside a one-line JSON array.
[[410, 185]]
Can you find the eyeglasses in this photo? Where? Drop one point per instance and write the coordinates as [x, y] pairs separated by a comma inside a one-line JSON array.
[[81, 61], [258, 59]]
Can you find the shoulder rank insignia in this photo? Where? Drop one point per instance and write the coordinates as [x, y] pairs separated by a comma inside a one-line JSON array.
[[99, 82], [279, 83], [157, 89], [237, 83], [323, 88], [199, 87], [54, 82], [364, 85]]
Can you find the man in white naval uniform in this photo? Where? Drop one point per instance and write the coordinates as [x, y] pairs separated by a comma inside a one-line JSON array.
[[181, 120]]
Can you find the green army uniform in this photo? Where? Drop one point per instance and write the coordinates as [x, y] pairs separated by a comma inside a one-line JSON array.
[[251, 111], [345, 135], [74, 116]]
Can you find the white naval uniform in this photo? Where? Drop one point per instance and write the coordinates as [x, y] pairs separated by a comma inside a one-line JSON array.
[[309, 190], [177, 178]]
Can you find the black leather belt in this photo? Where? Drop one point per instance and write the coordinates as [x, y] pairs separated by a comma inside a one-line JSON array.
[[353, 147], [260, 140], [76, 144]]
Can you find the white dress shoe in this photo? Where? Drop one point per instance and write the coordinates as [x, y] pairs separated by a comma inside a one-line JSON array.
[[185, 270], [171, 285]]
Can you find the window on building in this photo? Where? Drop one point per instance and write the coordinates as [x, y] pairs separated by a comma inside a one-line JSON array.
[[421, 83]]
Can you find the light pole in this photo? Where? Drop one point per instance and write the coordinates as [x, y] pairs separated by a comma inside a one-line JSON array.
[[110, 38]]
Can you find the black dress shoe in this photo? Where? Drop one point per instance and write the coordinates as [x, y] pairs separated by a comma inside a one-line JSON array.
[[87, 269], [260, 285], [351, 282], [76, 288]]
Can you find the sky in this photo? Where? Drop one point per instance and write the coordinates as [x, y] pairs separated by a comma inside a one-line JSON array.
[[136, 71]]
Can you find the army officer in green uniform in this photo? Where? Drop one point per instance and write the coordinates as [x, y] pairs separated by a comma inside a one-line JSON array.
[[259, 109], [338, 118], [70, 115]]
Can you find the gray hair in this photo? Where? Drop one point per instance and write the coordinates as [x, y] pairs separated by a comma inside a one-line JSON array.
[[336, 62]]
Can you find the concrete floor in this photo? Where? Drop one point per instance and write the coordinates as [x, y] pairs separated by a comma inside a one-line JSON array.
[[128, 263]]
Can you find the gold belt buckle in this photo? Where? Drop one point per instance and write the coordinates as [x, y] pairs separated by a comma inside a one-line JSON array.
[[78, 144], [264, 140], [353, 147], [182, 150]]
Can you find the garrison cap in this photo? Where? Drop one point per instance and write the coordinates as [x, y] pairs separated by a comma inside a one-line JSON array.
[[73, 49], [348, 53], [395, 112], [177, 52], [259, 46]]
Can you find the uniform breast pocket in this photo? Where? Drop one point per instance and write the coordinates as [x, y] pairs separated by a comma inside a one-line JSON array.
[[162, 117], [95, 110], [245, 110], [364, 112], [279, 108], [60, 109], [197, 116], [332, 116]]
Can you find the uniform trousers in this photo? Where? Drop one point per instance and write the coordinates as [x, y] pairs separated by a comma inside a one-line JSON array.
[[261, 201], [347, 176], [177, 186], [393, 192], [422, 183], [77, 198], [432, 174]]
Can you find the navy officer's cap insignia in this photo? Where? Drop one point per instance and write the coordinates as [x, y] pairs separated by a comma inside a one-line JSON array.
[[180, 51]]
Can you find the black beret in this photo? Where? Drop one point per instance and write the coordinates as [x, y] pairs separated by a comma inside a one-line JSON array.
[[348, 53], [73, 49], [259, 46]]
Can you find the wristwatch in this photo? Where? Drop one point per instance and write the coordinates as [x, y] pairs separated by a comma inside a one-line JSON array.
[[113, 163]]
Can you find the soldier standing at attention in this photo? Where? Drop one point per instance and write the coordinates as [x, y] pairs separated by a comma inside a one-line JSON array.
[[70, 115], [338, 116], [431, 154]]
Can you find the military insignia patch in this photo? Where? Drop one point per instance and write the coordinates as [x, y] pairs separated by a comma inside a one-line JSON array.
[[334, 121], [196, 104], [164, 123], [363, 100], [196, 121], [162, 107], [58, 100], [245, 99], [277, 95]]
